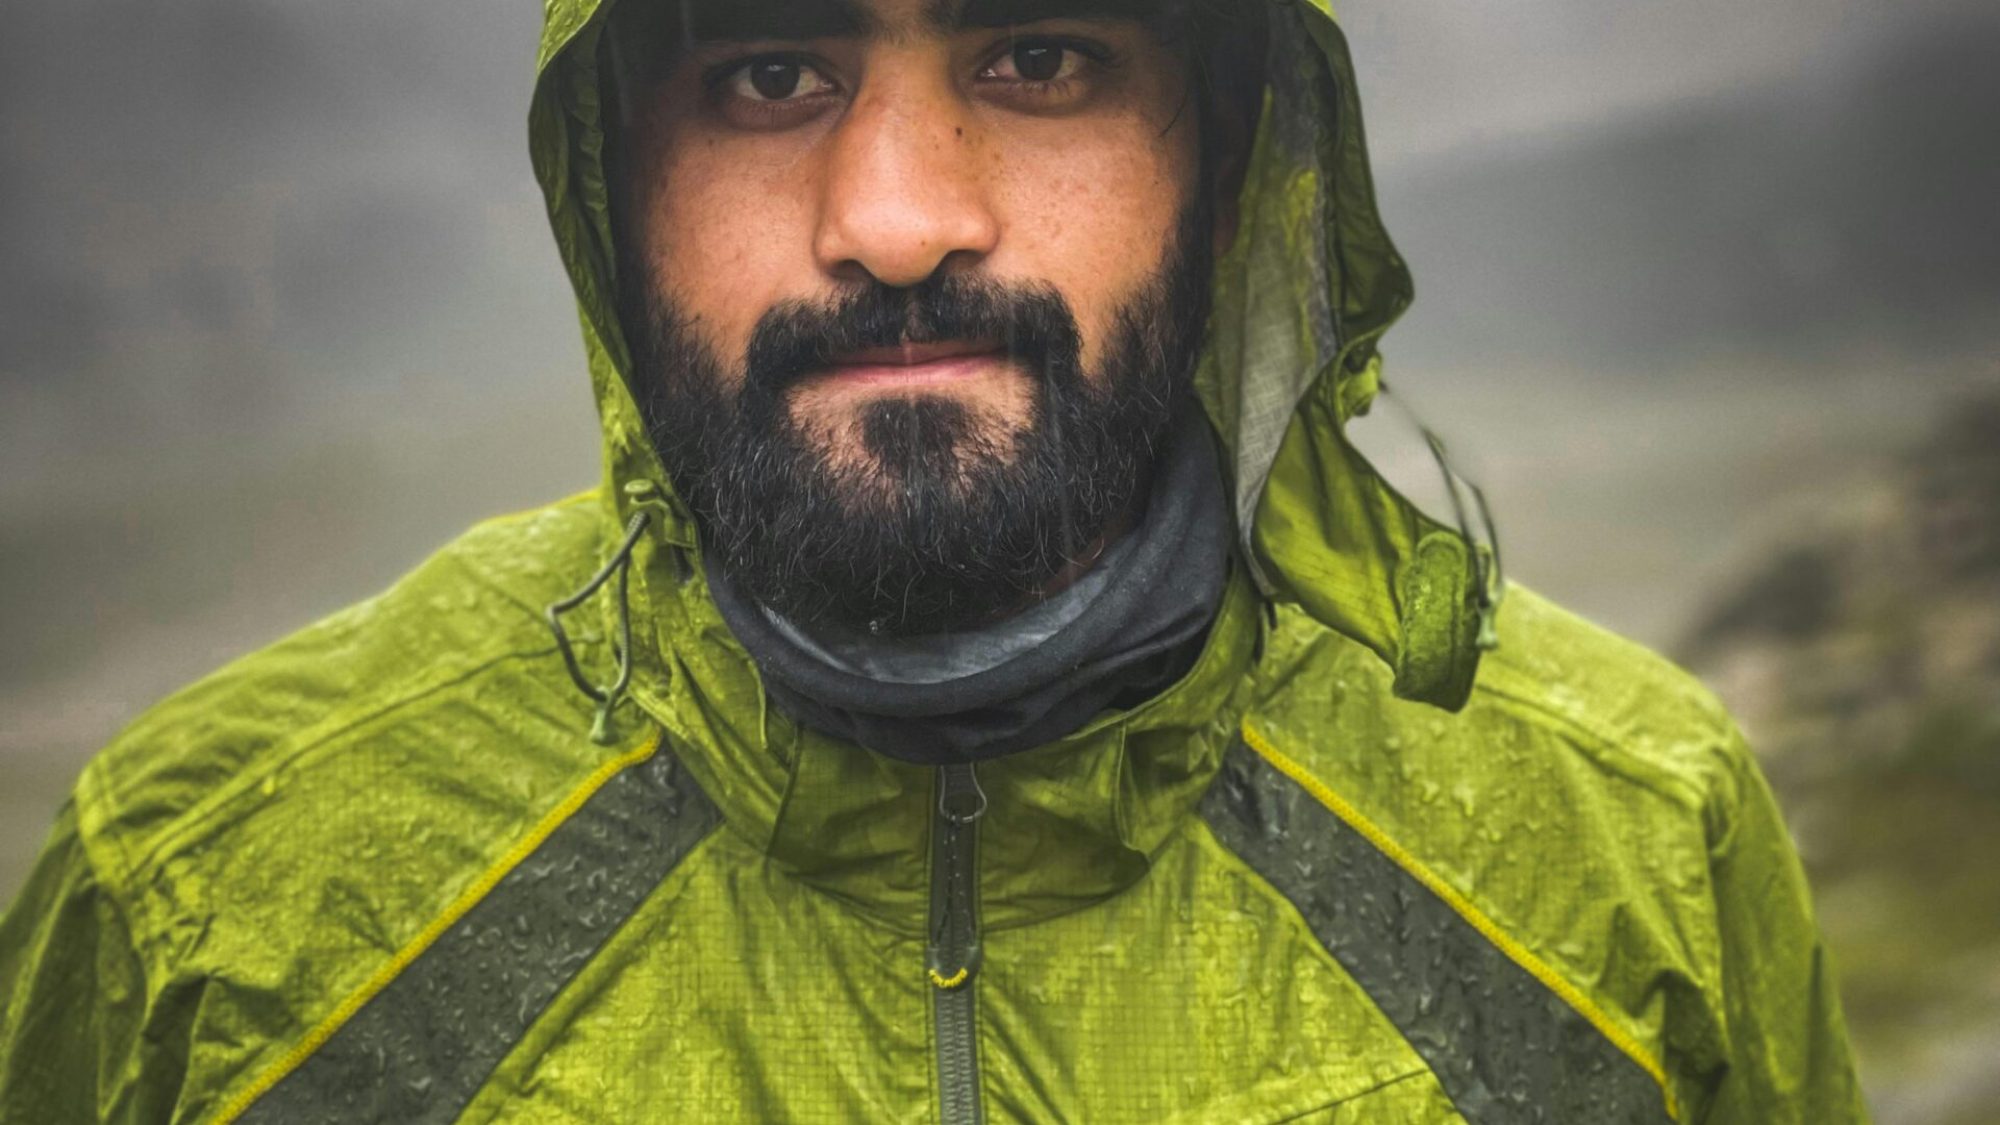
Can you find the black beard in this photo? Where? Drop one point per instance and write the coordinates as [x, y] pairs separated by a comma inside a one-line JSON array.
[[939, 526]]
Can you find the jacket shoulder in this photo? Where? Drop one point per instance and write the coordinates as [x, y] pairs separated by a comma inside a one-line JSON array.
[[1557, 681], [1642, 715], [273, 833], [469, 615]]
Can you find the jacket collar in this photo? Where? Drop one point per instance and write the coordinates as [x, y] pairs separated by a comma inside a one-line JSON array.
[[1068, 823]]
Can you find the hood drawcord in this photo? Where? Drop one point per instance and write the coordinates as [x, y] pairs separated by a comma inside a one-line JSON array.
[[1489, 581], [1486, 574], [608, 696]]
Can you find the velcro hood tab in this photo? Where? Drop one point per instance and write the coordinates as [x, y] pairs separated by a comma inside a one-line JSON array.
[[1347, 547]]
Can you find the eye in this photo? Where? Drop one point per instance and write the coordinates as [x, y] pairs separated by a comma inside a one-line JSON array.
[[1036, 60], [775, 78]]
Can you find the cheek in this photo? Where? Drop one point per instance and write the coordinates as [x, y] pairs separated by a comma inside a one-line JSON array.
[[724, 263], [1094, 217]]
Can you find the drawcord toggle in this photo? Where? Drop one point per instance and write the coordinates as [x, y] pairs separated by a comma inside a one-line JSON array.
[[608, 696]]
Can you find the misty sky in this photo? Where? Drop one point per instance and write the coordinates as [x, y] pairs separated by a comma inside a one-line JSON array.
[[1443, 74]]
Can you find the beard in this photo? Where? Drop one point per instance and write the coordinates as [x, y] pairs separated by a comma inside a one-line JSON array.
[[939, 522]]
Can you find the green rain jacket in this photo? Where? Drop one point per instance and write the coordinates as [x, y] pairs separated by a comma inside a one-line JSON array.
[[1357, 866]]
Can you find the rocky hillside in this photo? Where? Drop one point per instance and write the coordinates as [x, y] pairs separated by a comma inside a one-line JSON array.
[[1863, 658]]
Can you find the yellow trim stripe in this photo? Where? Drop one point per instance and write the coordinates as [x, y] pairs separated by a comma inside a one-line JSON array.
[[467, 899], [1487, 928]]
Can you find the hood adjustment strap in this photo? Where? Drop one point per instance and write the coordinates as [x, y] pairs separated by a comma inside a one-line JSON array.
[[608, 696]]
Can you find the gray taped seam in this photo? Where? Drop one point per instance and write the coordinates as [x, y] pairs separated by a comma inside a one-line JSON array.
[[421, 1048], [1504, 1047]]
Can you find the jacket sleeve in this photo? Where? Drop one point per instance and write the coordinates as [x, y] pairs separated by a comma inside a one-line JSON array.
[[74, 994], [1788, 1055]]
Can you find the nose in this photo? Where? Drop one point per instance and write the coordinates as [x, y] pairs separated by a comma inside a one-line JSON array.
[[902, 189]]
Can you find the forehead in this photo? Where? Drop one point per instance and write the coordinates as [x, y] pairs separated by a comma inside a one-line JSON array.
[[742, 20]]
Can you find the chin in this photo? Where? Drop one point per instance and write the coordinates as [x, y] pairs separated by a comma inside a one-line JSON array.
[[895, 446], [897, 435]]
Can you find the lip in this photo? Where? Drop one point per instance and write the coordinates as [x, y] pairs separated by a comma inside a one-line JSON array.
[[917, 365]]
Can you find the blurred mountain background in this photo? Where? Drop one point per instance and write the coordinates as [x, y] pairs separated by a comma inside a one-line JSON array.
[[1709, 301], [1862, 654]]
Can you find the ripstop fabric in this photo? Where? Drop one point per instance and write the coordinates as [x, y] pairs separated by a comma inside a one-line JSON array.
[[1354, 866]]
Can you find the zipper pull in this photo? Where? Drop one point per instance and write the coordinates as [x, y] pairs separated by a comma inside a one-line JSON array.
[[954, 951], [960, 799]]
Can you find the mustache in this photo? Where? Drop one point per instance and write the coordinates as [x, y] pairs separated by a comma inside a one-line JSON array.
[[1030, 320]]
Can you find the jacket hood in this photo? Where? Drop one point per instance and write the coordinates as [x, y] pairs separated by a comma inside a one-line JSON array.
[[1301, 301]]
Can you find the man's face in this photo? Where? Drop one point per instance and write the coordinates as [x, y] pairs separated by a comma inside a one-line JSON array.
[[916, 283]]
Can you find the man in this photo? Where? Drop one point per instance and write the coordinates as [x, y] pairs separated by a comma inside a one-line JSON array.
[[987, 684]]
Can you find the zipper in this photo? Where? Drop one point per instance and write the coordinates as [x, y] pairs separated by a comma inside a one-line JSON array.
[[952, 958]]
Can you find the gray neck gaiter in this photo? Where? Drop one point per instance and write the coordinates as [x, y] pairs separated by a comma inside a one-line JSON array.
[[1132, 625]]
